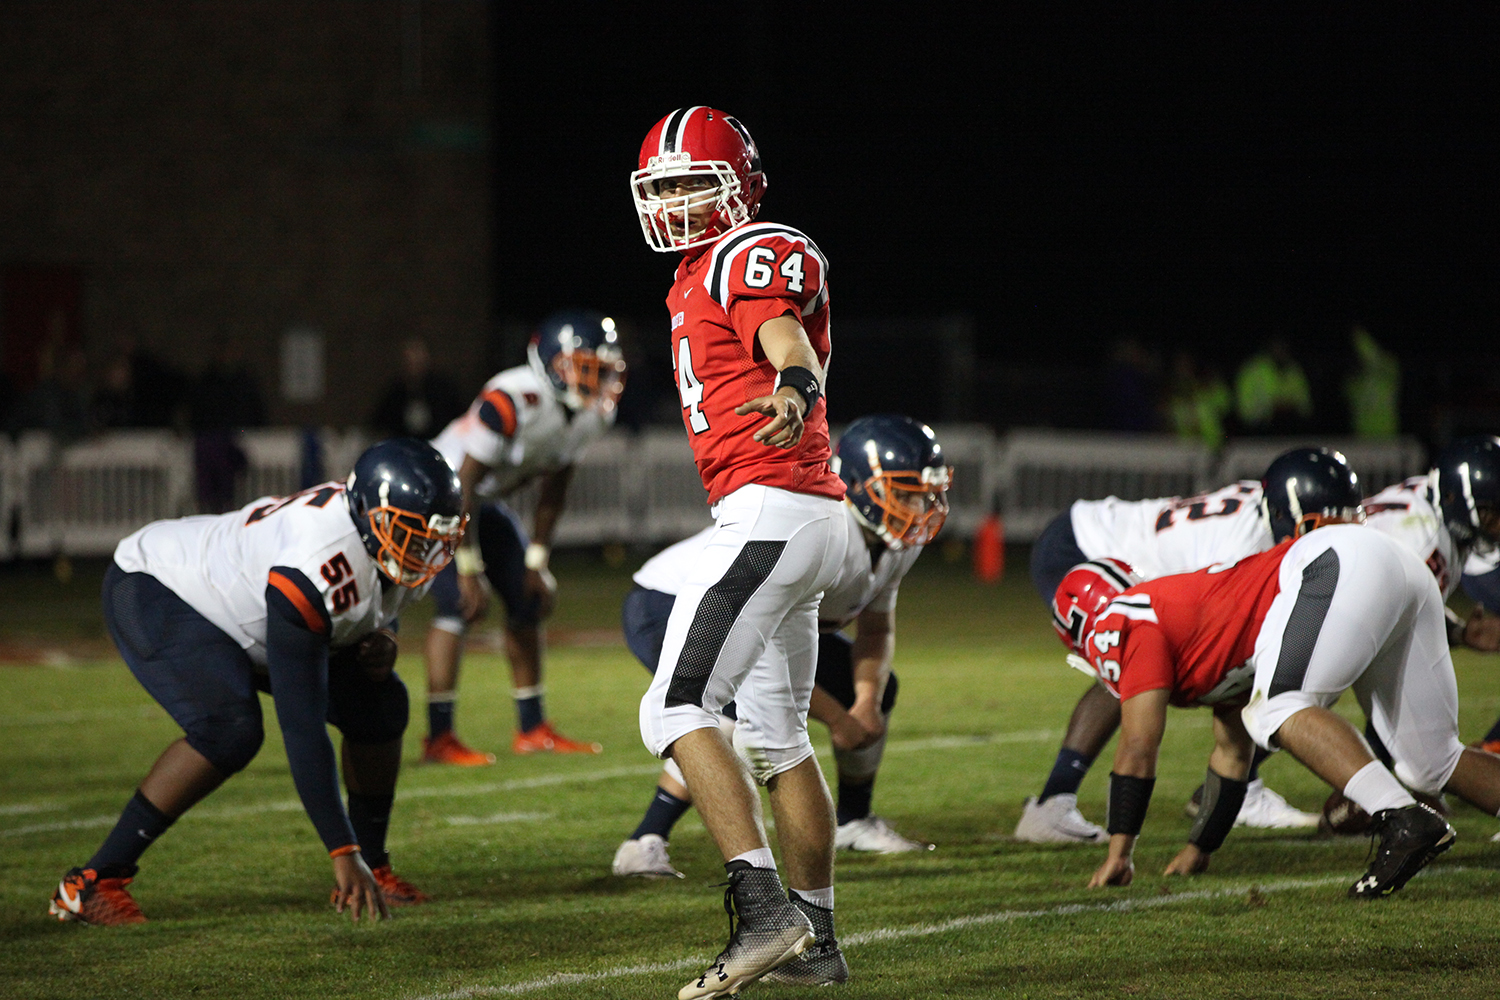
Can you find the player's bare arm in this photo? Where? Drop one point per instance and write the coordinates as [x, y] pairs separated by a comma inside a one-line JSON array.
[[551, 500], [785, 344], [844, 730], [1230, 759], [1143, 720], [874, 649], [473, 598], [1481, 631]]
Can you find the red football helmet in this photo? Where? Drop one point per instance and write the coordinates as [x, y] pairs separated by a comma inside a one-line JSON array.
[[1083, 593], [718, 181]]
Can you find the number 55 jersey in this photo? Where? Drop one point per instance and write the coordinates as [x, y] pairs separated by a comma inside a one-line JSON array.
[[719, 299], [1169, 535], [305, 545]]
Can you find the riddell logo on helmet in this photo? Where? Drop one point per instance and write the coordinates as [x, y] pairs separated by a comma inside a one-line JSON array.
[[666, 159]]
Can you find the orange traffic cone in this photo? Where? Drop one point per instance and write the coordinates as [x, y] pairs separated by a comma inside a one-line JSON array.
[[989, 550]]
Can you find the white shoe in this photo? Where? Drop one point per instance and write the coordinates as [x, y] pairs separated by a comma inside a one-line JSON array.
[[646, 857], [1058, 821], [874, 834], [1267, 810]]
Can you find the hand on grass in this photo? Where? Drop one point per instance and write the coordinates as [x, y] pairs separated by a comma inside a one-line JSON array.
[[1189, 861], [1116, 870], [357, 889]]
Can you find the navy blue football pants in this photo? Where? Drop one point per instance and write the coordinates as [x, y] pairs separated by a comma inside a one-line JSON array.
[[208, 684]]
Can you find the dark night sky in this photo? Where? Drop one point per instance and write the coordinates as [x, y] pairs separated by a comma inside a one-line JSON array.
[[1198, 175]]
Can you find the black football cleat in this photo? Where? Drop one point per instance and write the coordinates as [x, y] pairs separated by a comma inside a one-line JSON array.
[[1409, 838], [822, 964]]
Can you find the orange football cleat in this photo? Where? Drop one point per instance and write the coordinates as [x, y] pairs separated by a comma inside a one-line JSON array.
[[85, 897], [542, 738], [1490, 746], [398, 891], [446, 748]]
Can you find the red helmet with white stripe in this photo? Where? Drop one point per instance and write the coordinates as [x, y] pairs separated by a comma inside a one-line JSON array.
[[1083, 593], [699, 176]]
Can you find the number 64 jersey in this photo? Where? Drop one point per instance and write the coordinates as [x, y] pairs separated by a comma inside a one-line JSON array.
[[1170, 535], [720, 298], [305, 545]]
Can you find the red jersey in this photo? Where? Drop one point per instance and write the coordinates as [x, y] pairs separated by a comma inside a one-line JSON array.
[[1193, 634], [718, 302]]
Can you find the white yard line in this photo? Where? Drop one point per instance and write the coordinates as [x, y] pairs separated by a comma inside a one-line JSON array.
[[71, 716], [410, 791], [909, 931]]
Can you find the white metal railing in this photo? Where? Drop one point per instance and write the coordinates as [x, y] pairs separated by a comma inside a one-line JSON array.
[[1042, 472], [638, 488]]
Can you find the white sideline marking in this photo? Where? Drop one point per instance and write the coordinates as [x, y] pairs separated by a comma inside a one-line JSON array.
[[29, 807], [899, 933]]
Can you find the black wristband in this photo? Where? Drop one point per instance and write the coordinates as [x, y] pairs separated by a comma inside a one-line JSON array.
[[803, 381], [1128, 798], [1220, 805]]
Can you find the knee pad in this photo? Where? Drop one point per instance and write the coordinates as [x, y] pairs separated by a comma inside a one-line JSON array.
[[766, 762], [860, 766], [230, 740], [1264, 716], [368, 712], [1429, 777], [452, 624], [888, 701]]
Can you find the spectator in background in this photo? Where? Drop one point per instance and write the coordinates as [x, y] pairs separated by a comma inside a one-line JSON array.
[[1199, 401], [58, 402], [113, 402], [1374, 390], [1272, 395], [1133, 378], [419, 402], [223, 400], [158, 390]]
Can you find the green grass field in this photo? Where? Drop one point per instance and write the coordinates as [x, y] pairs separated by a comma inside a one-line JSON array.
[[517, 855]]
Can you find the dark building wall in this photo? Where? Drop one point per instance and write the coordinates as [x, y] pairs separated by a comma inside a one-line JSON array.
[[233, 169]]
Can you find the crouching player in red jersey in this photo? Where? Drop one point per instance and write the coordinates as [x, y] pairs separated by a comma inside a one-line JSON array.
[[1270, 643], [749, 314], [295, 596]]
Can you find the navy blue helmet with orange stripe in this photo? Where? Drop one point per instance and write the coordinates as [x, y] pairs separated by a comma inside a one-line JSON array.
[[895, 478], [577, 353], [1306, 488], [406, 502]]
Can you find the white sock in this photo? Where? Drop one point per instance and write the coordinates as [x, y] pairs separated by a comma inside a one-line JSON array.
[[1373, 788], [761, 857], [817, 897]]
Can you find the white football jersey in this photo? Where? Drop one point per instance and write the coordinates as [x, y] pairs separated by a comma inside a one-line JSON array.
[[862, 582], [220, 565], [1168, 535], [1404, 512], [518, 428]]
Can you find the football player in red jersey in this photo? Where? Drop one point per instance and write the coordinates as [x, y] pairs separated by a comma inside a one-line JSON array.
[[1270, 643], [749, 327]]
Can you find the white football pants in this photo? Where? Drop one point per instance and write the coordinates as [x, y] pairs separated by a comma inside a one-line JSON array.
[[755, 588], [1358, 610]]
